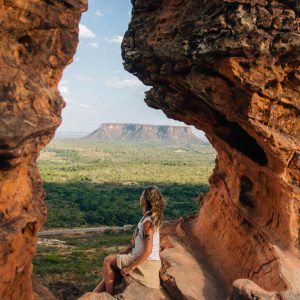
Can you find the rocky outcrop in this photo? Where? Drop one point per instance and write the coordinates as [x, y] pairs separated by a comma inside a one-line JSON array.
[[184, 274], [157, 134], [38, 39], [231, 68], [96, 296], [41, 292], [247, 290]]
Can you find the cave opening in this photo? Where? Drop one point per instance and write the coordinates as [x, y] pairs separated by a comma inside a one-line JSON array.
[[92, 183], [6, 161], [35, 54], [239, 139], [230, 132], [234, 135], [246, 186]]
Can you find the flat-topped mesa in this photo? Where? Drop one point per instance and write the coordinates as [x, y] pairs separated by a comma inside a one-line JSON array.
[[231, 68], [38, 39], [156, 134]]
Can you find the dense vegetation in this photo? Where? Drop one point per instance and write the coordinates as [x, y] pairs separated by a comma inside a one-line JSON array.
[[90, 183], [72, 265], [95, 183]]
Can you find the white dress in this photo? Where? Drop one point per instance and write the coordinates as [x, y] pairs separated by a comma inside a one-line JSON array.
[[139, 241], [146, 273]]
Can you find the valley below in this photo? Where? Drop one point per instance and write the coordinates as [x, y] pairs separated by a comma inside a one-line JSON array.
[[70, 265], [91, 183], [96, 184]]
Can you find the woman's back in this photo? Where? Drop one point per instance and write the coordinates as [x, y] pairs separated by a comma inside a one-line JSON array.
[[138, 248]]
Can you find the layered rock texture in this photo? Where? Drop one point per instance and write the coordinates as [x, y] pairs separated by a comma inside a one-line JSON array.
[[231, 68], [38, 39], [157, 134]]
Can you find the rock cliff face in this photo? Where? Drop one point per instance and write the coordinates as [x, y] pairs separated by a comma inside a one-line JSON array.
[[232, 69], [38, 39], [162, 134]]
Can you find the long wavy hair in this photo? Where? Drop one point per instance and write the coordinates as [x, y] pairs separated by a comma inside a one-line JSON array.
[[155, 204]]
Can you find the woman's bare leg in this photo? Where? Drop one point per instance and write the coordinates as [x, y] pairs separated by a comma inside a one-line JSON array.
[[100, 287], [109, 269]]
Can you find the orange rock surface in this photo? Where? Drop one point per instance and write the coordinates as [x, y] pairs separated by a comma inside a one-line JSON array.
[[38, 39], [232, 69]]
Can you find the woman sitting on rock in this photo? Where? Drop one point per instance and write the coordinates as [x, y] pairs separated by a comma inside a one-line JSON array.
[[141, 259]]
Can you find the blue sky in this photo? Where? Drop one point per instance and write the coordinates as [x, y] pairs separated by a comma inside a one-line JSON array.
[[95, 86]]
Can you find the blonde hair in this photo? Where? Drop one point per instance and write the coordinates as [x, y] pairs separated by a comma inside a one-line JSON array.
[[155, 204]]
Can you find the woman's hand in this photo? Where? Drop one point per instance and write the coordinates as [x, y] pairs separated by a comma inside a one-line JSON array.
[[126, 250], [126, 271]]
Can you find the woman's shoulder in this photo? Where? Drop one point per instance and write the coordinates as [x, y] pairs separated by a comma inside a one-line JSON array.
[[147, 219], [148, 223], [146, 216]]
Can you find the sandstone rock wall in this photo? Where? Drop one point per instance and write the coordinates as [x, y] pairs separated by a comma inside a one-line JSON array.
[[231, 68], [38, 38]]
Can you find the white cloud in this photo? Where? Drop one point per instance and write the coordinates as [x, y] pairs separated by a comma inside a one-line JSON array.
[[63, 87], [99, 13], [64, 90], [116, 39], [93, 45], [85, 32], [86, 105], [122, 83]]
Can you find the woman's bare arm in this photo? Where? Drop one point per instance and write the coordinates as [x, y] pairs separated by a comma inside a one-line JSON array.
[[148, 243]]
